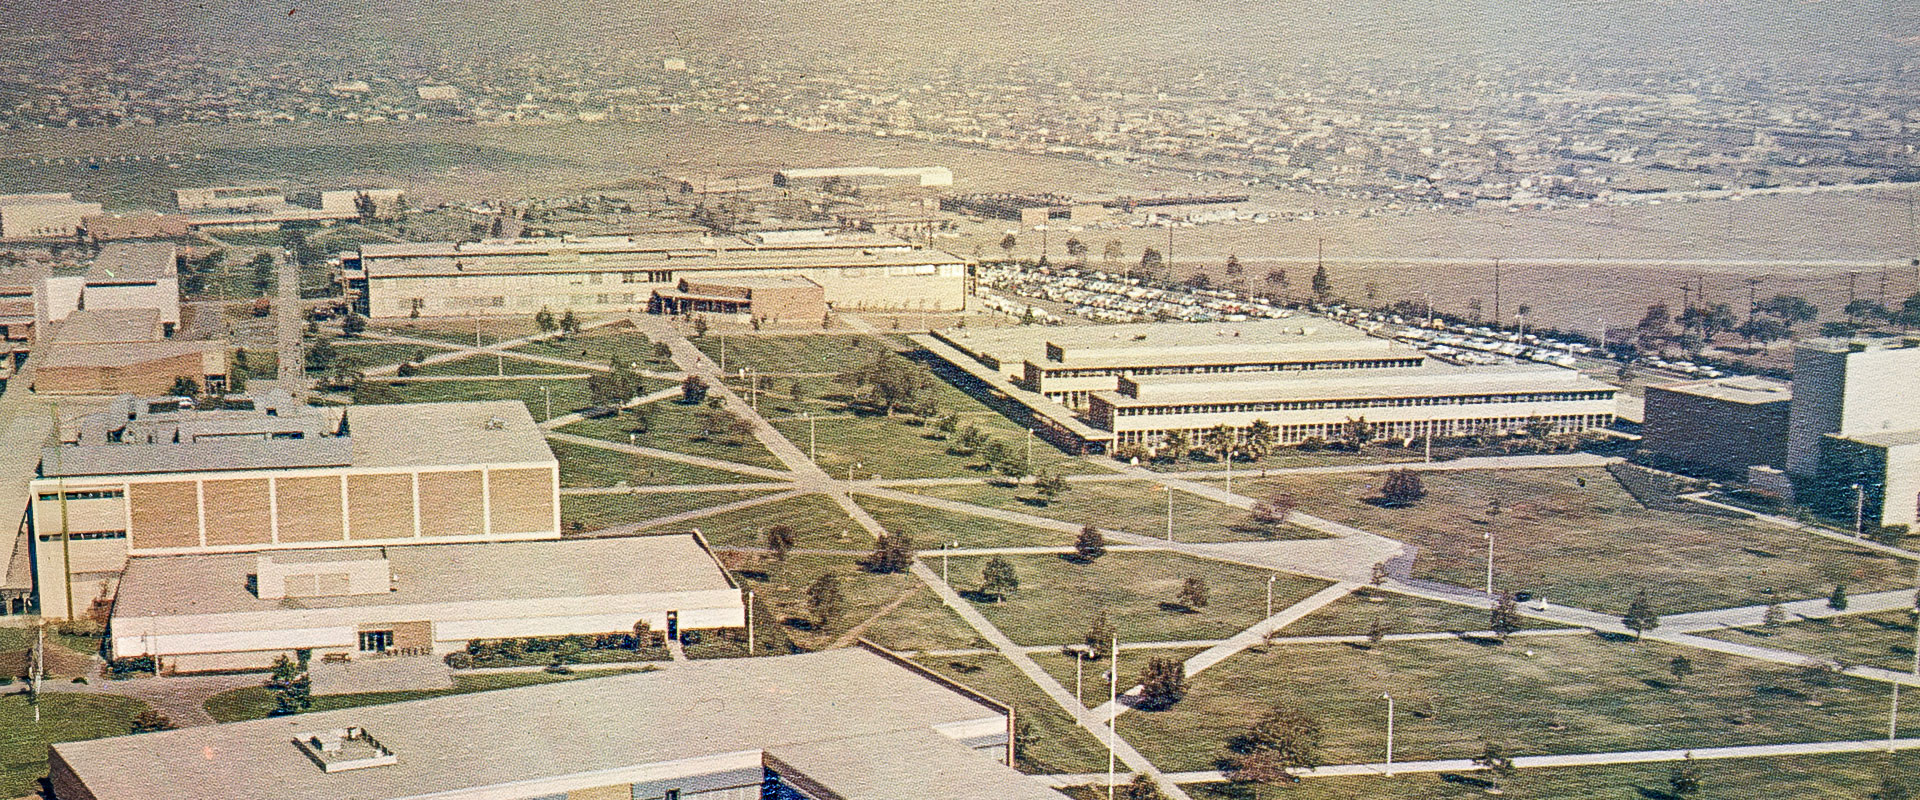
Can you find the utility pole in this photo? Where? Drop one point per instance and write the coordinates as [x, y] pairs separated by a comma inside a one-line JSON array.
[[1270, 579], [1389, 698], [749, 622], [1169, 512], [66, 531], [1489, 536], [1113, 703], [1753, 299]]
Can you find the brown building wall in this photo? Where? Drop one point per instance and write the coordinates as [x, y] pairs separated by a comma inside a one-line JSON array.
[[309, 509], [380, 506], [522, 500], [164, 515], [1715, 437], [450, 504], [237, 512], [790, 304], [65, 783], [147, 379]]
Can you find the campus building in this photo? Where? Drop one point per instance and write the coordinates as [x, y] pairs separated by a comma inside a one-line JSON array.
[[122, 275], [42, 216], [1720, 427], [157, 477], [112, 351], [1435, 400], [865, 176], [621, 273], [1854, 427], [213, 611], [776, 299], [848, 724], [1094, 387]]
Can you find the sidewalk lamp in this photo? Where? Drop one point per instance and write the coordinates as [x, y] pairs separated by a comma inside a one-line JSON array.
[[851, 468], [548, 393], [1169, 512], [1389, 698], [1270, 580], [944, 548], [1859, 510], [1489, 535]]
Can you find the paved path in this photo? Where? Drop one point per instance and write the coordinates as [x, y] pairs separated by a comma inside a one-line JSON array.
[[669, 455], [568, 419], [683, 488], [689, 516], [182, 698], [1541, 461], [1816, 608], [1253, 635], [1535, 762], [557, 376]]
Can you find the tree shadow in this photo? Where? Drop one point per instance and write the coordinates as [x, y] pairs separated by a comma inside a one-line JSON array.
[[1466, 780], [1035, 502], [1656, 794], [753, 575], [1178, 608], [798, 623]]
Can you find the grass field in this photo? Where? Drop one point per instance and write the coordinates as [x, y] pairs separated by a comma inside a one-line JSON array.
[[1355, 614], [596, 511], [1882, 640], [1133, 506], [1092, 678], [1554, 695], [582, 465], [902, 447], [1845, 775], [367, 353], [675, 427], [783, 613], [783, 354], [488, 365], [930, 527], [560, 396], [64, 717], [1592, 545], [254, 702], [12, 638], [462, 331], [1055, 743], [1057, 599], [598, 346], [817, 522]]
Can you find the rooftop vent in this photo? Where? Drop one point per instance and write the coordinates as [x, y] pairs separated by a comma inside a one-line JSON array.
[[495, 424], [343, 749]]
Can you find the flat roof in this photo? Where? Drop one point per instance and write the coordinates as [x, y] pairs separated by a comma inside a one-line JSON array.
[[133, 262], [1883, 438], [928, 763], [1750, 389], [109, 325], [785, 257], [575, 728], [121, 354], [1429, 380], [205, 456], [1287, 352], [216, 583], [446, 434], [1011, 346], [1842, 345], [634, 243]]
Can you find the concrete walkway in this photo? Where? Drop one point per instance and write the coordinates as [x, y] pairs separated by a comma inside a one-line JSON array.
[[689, 516], [681, 489], [669, 455]]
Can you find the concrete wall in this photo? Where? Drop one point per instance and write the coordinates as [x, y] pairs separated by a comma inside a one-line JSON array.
[[1296, 426], [147, 378], [1716, 437], [895, 288]]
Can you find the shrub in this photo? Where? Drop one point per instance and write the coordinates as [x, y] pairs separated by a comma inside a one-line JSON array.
[[460, 660]]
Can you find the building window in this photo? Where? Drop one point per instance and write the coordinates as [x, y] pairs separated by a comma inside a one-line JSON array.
[[85, 536], [375, 641], [90, 494]]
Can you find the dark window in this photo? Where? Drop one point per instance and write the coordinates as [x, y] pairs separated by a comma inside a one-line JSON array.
[[375, 641]]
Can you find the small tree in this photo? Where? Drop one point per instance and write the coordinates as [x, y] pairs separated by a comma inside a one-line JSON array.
[[780, 541], [693, 390], [1273, 509], [824, 599], [292, 692], [700, 326], [1100, 636], [149, 721], [569, 323], [892, 553], [1498, 763], [1282, 741], [353, 325], [1506, 616], [1142, 787], [184, 386], [1193, 594], [1684, 777], [1322, 284], [1838, 599], [1007, 243], [544, 320], [1403, 487], [945, 428], [1162, 683], [1681, 667], [1640, 616], [1774, 616], [1091, 544], [997, 579]]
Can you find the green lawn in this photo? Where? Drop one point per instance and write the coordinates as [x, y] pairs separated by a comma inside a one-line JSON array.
[[367, 353], [1054, 743], [1057, 598], [567, 394], [584, 465], [64, 717], [596, 511], [1355, 615], [1882, 640], [599, 346], [817, 522], [1092, 678], [1592, 545], [675, 427], [487, 365], [12, 638], [929, 527], [254, 702], [1287, 458], [897, 447], [1133, 506], [1843, 775], [783, 615], [461, 331], [1552, 695], [814, 353]]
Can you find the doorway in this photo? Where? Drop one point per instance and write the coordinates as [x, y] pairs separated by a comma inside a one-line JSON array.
[[673, 625]]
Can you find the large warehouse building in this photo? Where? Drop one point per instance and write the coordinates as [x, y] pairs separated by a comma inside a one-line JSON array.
[[42, 216], [149, 477], [621, 273], [217, 611], [848, 724]]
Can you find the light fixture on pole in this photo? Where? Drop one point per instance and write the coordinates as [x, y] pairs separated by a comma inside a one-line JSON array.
[[1489, 536], [1389, 698], [1859, 509], [1270, 580], [749, 622], [1169, 512]]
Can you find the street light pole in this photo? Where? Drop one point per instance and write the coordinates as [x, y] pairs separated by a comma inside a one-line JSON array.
[[1389, 698], [1859, 509], [1270, 579], [1489, 565], [1169, 512], [548, 393], [1113, 703], [749, 622], [812, 453]]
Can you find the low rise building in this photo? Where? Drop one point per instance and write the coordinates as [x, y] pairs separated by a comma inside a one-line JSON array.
[[1718, 428], [213, 611], [153, 476], [854, 723], [122, 275], [621, 273], [865, 176], [112, 351], [228, 198], [774, 299], [42, 216]]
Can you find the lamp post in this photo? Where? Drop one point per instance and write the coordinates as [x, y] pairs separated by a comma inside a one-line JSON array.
[[1169, 512], [1489, 536], [1859, 509], [749, 622], [548, 394], [850, 469], [943, 559], [1270, 579], [1113, 703], [1389, 698], [812, 454]]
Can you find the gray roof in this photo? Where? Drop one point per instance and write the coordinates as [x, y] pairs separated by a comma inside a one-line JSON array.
[[929, 764], [489, 739], [206, 456], [1750, 389], [446, 434], [1883, 438], [132, 262], [109, 325], [1010, 346], [216, 583], [1431, 380]]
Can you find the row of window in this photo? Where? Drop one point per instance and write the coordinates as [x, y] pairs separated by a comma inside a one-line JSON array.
[[1330, 431], [85, 536], [85, 494], [1284, 366], [1379, 402]]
